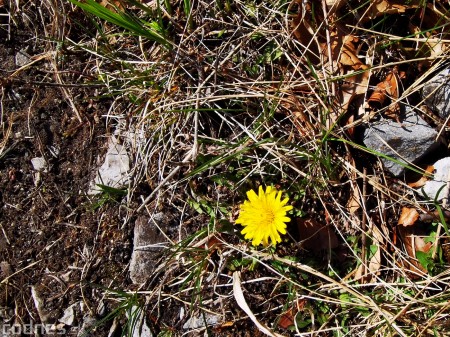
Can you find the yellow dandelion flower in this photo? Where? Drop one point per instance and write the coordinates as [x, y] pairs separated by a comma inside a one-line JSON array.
[[264, 216]]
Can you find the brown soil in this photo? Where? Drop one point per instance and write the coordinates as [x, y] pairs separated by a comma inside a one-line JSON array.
[[51, 237]]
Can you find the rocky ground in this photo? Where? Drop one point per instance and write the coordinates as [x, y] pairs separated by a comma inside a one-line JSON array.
[[58, 245]]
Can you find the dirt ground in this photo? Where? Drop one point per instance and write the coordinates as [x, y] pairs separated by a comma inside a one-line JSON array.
[[52, 238]]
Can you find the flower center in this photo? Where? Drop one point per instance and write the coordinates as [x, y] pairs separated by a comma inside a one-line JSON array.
[[268, 216]]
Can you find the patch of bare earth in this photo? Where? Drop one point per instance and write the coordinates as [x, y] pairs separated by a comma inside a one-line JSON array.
[[54, 246]]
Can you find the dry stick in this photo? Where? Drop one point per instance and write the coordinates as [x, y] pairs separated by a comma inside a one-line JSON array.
[[19, 271], [330, 56], [64, 90], [364, 225]]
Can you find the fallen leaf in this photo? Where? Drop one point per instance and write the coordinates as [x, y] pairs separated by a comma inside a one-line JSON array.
[[352, 87], [112, 5], [385, 7], [354, 203], [315, 236], [288, 317], [303, 31], [227, 324], [302, 119], [374, 265], [408, 217], [388, 88], [419, 183], [413, 242], [348, 53]]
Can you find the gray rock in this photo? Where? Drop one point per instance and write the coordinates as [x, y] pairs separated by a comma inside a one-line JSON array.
[[436, 93], [405, 142], [437, 188], [148, 244]]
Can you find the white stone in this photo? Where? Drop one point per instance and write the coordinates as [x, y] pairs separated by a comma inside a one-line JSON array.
[[436, 93], [196, 322], [140, 327], [39, 163], [69, 315], [86, 328], [437, 187], [22, 58], [114, 170], [147, 243]]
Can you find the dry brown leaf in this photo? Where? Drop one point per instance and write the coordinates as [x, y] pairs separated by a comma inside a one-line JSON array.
[[112, 4], [343, 48], [354, 203], [315, 236], [227, 324], [388, 88], [375, 261], [301, 117], [303, 31], [352, 87], [408, 217], [385, 7], [287, 318], [348, 53], [344, 56], [423, 179], [413, 241]]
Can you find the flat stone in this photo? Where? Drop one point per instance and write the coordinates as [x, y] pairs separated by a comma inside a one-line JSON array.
[[70, 314], [114, 170], [39, 163], [140, 326], [196, 322], [22, 58], [87, 328], [148, 244], [436, 93], [437, 188], [406, 141]]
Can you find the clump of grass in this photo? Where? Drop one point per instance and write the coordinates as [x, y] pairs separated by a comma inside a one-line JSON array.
[[221, 98]]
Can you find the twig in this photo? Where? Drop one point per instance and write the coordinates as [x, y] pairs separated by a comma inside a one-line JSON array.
[[19, 271], [364, 225]]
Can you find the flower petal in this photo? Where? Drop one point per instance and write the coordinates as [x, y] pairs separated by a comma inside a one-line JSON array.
[[263, 216]]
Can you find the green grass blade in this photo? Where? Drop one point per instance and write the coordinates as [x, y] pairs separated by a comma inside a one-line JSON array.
[[133, 25]]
